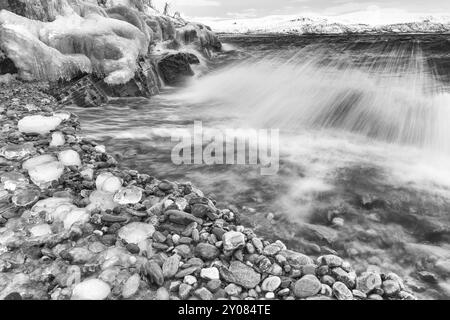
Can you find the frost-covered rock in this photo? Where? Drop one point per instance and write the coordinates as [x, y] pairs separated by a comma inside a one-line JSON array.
[[69, 158], [37, 161], [129, 195], [17, 152], [136, 232], [42, 175], [49, 205], [107, 182], [101, 200], [92, 289], [40, 230], [76, 216], [38, 124], [57, 139]]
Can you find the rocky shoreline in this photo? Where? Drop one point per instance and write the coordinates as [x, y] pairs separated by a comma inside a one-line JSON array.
[[76, 226]]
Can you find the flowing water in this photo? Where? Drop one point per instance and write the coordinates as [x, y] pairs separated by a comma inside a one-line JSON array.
[[364, 144]]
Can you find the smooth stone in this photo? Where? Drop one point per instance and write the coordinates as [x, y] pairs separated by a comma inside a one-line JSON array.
[[330, 260], [204, 294], [271, 284], [296, 259], [241, 274], [92, 289], [307, 286], [368, 281], [131, 286], [25, 197], [207, 251], [170, 266], [341, 292], [162, 294], [136, 232]]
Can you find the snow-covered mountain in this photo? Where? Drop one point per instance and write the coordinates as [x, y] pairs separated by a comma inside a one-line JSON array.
[[324, 25]]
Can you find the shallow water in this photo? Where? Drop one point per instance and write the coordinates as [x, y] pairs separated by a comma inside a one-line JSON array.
[[363, 136]]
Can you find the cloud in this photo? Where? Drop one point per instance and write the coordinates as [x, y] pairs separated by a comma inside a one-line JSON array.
[[247, 13]]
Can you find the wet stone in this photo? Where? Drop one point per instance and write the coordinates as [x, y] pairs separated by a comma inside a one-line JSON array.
[[307, 286]]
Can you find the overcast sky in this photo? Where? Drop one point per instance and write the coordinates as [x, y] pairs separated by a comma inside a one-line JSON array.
[[232, 9]]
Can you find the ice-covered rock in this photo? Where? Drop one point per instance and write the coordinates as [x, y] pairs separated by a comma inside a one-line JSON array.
[[136, 232], [17, 151], [41, 230], [57, 139], [69, 158], [76, 216], [49, 205], [25, 197], [38, 124], [92, 289], [129, 195], [43, 174], [38, 160], [13, 180], [87, 173], [101, 200], [107, 182]]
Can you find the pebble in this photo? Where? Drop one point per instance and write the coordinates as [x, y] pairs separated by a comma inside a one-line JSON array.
[[136, 232], [271, 283], [210, 273], [207, 251], [307, 286], [91, 289], [233, 240], [131, 286], [368, 281], [341, 292], [170, 266]]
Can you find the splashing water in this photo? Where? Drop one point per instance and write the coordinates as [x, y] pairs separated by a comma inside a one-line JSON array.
[[394, 97]]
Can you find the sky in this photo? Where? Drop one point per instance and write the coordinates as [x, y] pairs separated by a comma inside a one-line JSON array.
[[243, 9]]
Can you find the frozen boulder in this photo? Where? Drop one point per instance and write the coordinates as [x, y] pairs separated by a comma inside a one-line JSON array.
[[136, 232], [38, 160], [76, 216], [107, 182], [17, 152], [49, 205], [38, 124], [25, 197], [101, 200], [69, 158], [42, 175], [13, 180], [57, 139], [129, 195], [92, 289], [40, 230]]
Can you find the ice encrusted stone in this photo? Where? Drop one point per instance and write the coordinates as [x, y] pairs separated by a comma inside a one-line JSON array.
[[69, 158], [40, 230], [91, 289], [101, 200], [42, 175], [38, 160], [129, 195], [136, 232], [13, 180], [38, 124], [107, 182], [57, 139]]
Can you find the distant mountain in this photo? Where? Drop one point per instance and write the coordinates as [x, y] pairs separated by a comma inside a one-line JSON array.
[[321, 25]]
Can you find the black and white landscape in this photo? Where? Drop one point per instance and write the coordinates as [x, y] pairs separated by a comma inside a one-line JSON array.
[[94, 206]]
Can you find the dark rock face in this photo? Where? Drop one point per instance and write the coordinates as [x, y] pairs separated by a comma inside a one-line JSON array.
[[6, 65], [176, 68], [145, 83]]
